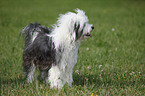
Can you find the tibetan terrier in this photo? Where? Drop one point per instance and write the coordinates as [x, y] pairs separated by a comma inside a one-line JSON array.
[[55, 51]]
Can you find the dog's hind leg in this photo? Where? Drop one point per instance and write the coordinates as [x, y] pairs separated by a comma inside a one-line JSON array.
[[29, 70], [43, 74]]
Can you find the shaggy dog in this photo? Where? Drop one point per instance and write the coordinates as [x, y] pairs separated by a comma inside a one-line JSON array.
[[55, 51]]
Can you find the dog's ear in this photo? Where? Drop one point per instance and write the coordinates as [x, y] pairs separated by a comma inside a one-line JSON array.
[[78, 29]]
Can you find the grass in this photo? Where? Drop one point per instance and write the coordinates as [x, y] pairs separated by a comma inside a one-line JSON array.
[[111, 63]]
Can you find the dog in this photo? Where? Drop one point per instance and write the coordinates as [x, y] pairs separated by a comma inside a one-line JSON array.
[[55, 51]]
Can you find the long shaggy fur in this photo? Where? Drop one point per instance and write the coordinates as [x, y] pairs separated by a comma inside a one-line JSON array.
[[55, 51]]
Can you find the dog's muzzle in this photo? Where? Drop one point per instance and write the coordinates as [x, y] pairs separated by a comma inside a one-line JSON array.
[[89, 34]]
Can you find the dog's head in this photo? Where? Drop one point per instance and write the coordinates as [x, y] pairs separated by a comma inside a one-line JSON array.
[[75, 25], [82, 28]]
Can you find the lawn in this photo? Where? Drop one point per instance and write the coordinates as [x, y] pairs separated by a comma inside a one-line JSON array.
[[111, 63]]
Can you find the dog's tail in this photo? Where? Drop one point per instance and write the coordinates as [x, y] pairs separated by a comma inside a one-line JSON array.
[[32, 30]]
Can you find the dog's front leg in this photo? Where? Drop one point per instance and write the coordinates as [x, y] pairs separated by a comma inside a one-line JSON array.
[[55, 77]]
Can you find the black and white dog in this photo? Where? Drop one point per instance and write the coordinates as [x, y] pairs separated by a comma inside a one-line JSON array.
[[55, 51]]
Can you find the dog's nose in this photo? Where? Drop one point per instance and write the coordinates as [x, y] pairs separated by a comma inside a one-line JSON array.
[[92, 27]]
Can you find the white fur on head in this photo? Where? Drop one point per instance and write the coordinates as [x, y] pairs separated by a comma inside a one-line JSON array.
[[81, 13], [63, 32]]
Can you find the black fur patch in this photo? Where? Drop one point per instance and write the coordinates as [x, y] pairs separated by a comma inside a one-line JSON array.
[[78, 33], [41, 51]]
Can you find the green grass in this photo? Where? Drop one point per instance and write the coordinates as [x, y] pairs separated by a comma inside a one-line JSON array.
[[120, 53]]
